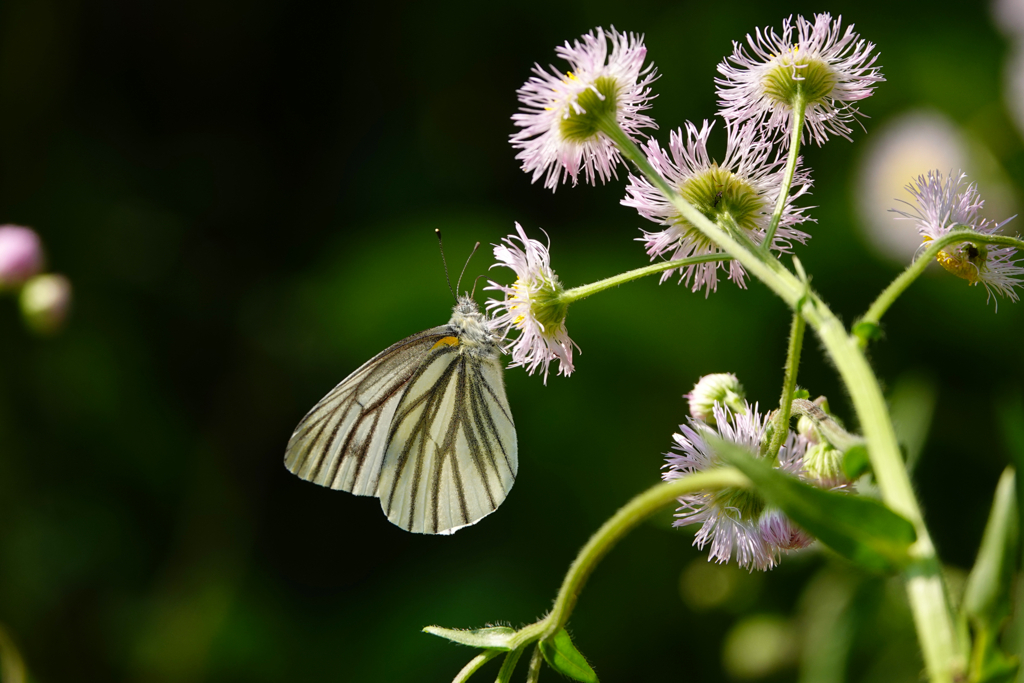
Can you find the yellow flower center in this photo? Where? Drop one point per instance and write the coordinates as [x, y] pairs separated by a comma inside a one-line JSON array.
[[813, 81], [719, 193], [598, 101]]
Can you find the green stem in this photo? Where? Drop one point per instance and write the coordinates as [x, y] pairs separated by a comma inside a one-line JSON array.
[[942, 650], [781, 423], [476, 663], [863, 328], [583, 291], [610, 533], [621, 523], [508, 667], [799, 109], [533, 673]]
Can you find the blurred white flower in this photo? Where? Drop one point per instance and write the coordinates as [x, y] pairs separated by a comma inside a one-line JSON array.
[[45, 302], [902, 148]]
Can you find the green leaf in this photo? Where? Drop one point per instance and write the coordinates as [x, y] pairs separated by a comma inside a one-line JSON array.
[[562, 656], [860, 529], [998, 668], [987, 596], [988, 663], [856, 462], [491, 638]]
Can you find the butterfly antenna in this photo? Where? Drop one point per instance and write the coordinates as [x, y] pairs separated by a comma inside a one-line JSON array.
[[473, 293], [466, 265], [440, 244]]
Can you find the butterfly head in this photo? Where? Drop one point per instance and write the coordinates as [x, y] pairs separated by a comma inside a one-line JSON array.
[[471, 326]]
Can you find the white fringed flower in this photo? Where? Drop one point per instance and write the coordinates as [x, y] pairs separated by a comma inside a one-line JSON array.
[[561, 112], [944, 205], [741, 191], [532, 306], [821, 65], [730, 519]]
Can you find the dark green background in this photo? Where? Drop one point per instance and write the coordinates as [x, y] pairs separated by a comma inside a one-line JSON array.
[[244, 196]]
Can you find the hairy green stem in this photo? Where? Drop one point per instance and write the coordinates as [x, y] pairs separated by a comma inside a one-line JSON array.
[[620, 524], [889, 295], [583, 291], [603, 540], [942, 650], [476, 663], [533, 673], [508, 667], [799, 109], [781, 422]]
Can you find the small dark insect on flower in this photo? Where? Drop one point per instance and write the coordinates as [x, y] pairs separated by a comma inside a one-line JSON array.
[[972, 251], [718, 198]]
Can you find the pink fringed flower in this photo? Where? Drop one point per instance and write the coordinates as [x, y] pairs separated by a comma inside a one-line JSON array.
[[825, 67], [733, 521], [740, 192], [561, 113], [532, 305]]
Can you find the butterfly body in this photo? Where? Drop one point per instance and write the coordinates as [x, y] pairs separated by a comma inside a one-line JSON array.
[[424, 426]]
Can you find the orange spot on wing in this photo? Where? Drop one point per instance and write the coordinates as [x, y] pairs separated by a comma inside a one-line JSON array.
[[445, 341]]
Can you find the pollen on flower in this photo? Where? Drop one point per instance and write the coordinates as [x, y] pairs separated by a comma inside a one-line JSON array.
[[965, 260], [946, 204]]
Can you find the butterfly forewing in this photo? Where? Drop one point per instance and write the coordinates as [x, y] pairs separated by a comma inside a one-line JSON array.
[[340, 443], [452, 456]]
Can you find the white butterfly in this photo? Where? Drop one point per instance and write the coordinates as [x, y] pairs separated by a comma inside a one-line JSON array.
[[424, 425]]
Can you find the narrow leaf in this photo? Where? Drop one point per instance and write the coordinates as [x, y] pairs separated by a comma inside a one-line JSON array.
[[491, 638], [860, 529], [987, 596], [562, 656]]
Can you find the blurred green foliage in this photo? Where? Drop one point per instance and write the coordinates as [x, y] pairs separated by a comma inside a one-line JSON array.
[[244, 197]]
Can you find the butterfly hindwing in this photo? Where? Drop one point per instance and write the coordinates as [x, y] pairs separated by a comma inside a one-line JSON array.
[[424, 425], [452, 457], [340, 443]]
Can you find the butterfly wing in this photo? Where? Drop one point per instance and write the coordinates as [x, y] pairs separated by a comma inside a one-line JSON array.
[[452, 456], [340, 443]]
